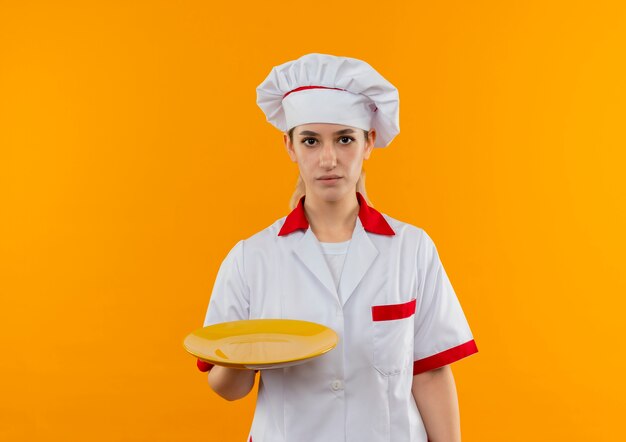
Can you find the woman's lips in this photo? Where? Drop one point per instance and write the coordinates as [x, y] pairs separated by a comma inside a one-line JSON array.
[[330, 182]]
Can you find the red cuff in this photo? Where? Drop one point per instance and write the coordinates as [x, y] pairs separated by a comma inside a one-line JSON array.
[[207, 366], [204, 366], [445, 357]]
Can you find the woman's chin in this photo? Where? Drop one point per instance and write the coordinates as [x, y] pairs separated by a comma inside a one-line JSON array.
[[334, 193]]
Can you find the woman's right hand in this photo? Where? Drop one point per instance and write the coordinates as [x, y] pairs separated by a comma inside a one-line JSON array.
[[231, 383]]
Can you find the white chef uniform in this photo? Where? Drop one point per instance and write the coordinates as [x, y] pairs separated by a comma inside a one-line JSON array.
[[394, 310]]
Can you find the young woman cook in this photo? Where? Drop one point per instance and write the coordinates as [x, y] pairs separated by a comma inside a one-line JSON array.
[[376, 281]]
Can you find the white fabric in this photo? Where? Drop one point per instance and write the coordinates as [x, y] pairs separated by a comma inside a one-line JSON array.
[[367, 100], [328, 106], [360, 390], [335, 255]]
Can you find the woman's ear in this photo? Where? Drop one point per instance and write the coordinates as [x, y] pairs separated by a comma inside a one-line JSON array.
[[369, 144], [289, 148]]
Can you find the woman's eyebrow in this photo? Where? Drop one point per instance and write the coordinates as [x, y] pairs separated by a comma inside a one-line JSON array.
[[339, 132]]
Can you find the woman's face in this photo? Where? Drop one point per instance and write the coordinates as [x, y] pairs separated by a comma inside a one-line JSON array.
[[330, 157]]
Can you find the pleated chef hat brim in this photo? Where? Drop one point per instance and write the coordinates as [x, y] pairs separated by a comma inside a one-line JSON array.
[[321, 88]]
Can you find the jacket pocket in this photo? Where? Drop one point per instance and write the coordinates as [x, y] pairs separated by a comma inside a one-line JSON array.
[[393, 336]]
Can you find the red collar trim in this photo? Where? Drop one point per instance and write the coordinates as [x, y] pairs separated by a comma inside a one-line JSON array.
[[371, 219]]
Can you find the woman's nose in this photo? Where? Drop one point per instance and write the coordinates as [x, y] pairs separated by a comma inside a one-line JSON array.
[[328, 157]]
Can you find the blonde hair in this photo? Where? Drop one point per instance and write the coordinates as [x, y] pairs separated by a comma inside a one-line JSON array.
[[300, 190]]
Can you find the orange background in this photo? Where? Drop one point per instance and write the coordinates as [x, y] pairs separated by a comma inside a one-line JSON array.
[[133, 157]]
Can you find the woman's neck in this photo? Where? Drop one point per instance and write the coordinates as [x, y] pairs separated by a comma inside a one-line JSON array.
[[332, 221]]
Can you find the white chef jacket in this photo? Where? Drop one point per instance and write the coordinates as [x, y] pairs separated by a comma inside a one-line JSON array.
[[395, 312]]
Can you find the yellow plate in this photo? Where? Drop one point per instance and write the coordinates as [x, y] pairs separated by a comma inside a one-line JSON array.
[[261, 343]]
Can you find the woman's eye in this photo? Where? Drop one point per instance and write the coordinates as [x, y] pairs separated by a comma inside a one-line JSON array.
[[346, 139], [306, 141]]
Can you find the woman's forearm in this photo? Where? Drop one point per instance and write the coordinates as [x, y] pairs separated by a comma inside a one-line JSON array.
[[436, 398], [231, 383]]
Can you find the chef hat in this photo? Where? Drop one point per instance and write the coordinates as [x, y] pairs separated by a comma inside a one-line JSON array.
[[321, 88]]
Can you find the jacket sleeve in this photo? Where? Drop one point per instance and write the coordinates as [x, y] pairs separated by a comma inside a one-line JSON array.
[[230, 298], [442, 333]]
